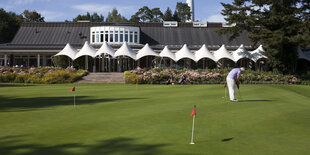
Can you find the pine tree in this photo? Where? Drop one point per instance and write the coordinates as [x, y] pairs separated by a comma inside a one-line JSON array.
[[280, 25], [168, 15]]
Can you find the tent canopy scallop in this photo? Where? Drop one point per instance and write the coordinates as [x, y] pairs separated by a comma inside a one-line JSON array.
[[125, 50], [302, 55], [167, 53], [146, 51], [241, 53], [258, 53], [203, 52], [184, 52], [222, 53], [86, 50], [68, 51], [105, 49]]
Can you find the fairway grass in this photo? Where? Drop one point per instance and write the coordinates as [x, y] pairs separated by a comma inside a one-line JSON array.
[[153, 119]]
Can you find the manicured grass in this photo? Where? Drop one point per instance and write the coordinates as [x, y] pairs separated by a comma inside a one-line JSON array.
[[153, 119]]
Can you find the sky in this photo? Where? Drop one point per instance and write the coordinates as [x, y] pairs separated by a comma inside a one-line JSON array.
[[61, 10]]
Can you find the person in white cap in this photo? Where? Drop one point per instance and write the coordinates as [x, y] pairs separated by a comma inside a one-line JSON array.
[[232, 79]]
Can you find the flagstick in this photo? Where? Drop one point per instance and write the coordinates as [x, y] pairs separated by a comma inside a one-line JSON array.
[[192, 140], [74, 99]]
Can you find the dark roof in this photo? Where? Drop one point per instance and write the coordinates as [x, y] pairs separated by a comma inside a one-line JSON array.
[[55, 35]]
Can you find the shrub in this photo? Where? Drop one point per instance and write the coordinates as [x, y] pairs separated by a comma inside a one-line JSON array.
[[160, 75], [44, 75]]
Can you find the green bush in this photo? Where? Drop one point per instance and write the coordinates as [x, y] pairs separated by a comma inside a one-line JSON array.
[[160, 75], [44, 75]]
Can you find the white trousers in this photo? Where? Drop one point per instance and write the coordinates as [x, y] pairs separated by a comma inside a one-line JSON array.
[[231, 88]]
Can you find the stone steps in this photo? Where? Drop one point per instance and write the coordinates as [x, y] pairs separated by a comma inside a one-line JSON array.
[[103, 78]]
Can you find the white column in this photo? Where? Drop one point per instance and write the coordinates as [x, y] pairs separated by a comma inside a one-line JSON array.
[[5, 60], [38, 61]]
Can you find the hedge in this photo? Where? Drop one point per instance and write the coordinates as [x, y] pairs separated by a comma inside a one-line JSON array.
[[40, 75], [209, 76]]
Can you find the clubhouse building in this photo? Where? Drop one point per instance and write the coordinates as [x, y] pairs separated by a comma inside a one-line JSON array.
[[116, 47]]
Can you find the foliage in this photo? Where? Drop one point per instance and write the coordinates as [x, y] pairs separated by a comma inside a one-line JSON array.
[[32, 16], [91, 17], [8, 26], [183, 12], [44, 75], [160, 76], [114, 16], [143, 15], [281, 26], [168, 15]]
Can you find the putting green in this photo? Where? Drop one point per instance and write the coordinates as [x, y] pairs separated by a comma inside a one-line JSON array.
[[153, 119]]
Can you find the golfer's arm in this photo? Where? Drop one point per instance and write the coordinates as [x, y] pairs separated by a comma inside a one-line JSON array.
[[237, 80]]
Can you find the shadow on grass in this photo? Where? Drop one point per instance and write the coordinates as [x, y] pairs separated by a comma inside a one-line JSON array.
[[255, 100], [227, 139], [15, 85], [13, 145], [27, 104]]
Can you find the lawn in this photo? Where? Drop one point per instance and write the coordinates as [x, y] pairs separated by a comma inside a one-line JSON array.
[[153, 119]]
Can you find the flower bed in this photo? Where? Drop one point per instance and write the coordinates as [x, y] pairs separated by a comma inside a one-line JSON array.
[[211, 76], [43, 75]]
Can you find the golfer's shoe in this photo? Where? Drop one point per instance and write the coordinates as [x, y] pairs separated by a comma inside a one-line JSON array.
[[234, 100]]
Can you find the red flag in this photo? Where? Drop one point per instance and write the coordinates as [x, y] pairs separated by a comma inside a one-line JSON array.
[[73, 89], [194, 111]]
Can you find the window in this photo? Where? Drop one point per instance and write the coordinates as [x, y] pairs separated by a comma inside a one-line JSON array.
[[101, 36], [93, 37], [116, 36], [131, 36], [111, 36], [97, 36], [106, 36], [126, 36], [136, 37], [121, 36]]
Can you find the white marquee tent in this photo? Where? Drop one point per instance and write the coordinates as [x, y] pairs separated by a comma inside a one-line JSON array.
[[258, 54], [222, 53], [106, 49], [125, 50], [68, 51], [241, 53], [203, 52], [302, 55], [184, 52], [167, 53], [146, 51], [86, 50]]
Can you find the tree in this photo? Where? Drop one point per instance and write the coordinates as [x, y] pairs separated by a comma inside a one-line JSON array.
[[157, 15], [114, 16], [168, 15], [8, 26], [32, 16], [176, 17], [92, 18], [144, 15], [281, 25], [183, 11]]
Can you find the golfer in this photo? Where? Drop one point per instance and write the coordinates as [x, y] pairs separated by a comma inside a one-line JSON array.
[[232, 79]]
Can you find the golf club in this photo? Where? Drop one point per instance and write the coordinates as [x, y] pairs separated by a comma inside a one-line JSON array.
[[239, 94]]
